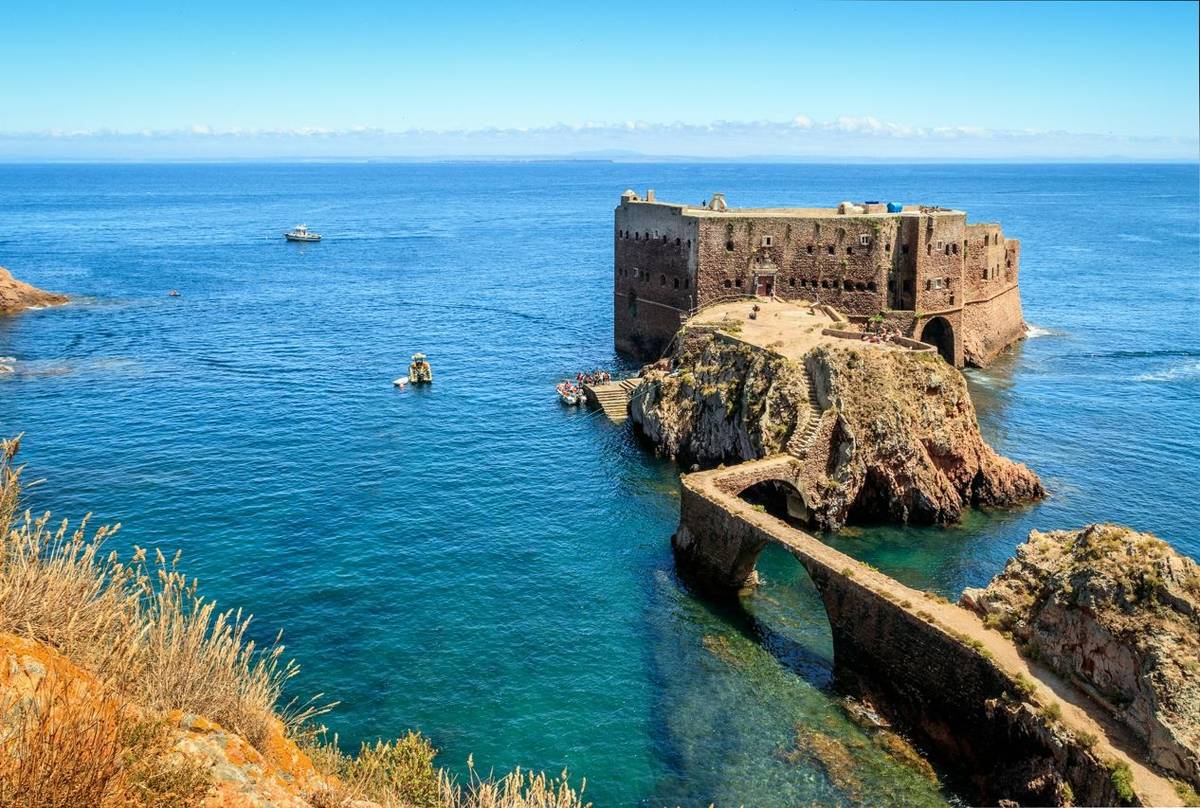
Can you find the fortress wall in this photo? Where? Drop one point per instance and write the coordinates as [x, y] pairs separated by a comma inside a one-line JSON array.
[[939, 258], [654, 265], [730, 248], [991, 326]]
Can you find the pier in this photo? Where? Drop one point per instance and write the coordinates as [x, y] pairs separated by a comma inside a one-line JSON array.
[[612, 397]]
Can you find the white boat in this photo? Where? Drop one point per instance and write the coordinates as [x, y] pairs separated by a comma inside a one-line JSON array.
[[301, 233], [571, 396], [401, 382]]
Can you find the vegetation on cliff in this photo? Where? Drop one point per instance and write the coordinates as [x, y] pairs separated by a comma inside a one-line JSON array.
[[1118, 612], [121, 685], [17, 295], [882, 434]]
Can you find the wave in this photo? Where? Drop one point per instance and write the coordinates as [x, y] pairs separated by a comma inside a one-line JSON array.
[[1136, 238], [1182, 372], [1032, 331]]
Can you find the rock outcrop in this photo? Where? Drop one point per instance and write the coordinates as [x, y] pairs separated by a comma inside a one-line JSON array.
[[17, 295], [1119, 613], [128, 755], [883, 434]]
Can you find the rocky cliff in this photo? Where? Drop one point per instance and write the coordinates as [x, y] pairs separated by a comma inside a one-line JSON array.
[[882, 434], [17, 295], [1119, 613]]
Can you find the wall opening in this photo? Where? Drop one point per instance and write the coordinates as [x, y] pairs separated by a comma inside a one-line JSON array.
[[780, 499], [939, 333]]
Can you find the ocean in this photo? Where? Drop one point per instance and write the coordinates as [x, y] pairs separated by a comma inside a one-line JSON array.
[[476, 561]]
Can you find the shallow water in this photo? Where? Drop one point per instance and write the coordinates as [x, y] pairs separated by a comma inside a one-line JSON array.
[[472, 559]]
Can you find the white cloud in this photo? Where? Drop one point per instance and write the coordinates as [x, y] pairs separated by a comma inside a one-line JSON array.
[[801, 136]]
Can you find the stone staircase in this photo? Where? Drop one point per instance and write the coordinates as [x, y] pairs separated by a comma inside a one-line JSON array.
[[802, 439], [612, 398]]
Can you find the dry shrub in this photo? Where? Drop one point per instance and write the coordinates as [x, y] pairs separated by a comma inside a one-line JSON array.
[[57, 750], [401, 774], [65, 747], [141, 626], [517, 789]]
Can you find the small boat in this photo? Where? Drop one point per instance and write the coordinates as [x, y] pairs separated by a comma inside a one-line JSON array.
[[402, 382], [570, 395], [419, 372], [300, 233], [173, 293]]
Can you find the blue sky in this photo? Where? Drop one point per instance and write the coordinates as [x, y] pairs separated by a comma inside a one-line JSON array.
[[709, 78]]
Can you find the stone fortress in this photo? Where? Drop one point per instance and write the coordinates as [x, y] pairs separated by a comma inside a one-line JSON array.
[[923, 269]]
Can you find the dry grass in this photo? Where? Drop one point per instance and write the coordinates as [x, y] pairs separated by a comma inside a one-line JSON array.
[[402, 774], [64, 747], [141, 626]]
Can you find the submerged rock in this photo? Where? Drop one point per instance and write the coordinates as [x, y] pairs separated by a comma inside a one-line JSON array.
[[17, 295], [1118, 612], [881, 433]]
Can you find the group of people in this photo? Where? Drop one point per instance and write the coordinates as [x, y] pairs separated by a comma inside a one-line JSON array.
[[880, 333], [595, 377]]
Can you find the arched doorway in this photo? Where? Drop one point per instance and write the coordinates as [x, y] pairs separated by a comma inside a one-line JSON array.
[[939, 333], [780, 499]]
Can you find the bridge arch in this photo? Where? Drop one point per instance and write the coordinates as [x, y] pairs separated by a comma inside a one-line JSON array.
[[939, 333]]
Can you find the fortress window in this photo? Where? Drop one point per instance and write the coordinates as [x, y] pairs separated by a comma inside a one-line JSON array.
[[810, 249], [677, 283], [687, 283], [676, 242], [887, 246], [904, 249], [861, 287], [768, 241], [729, 246], [954, 248], [791, 281], [849, 251], [871, 286], [1008, 263], [739, 283], [848, 286], [952, 299], [829, 249], [824, 284], [662, 280], [728, 283], [864, 240], [637, 236], [947, 249], [940, 247]]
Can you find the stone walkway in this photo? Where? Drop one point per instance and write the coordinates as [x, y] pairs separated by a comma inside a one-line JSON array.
[[1079, 713]]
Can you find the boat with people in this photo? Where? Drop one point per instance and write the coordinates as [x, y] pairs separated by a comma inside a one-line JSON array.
[[419, 372], [301, 233], [570, 394]]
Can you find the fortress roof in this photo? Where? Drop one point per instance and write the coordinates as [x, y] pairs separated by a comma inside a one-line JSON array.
[[717, 207]]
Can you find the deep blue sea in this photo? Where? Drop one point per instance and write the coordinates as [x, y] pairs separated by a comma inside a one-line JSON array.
[[472, 559]]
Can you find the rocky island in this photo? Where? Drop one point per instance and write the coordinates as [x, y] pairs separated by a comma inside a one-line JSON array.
[[17, 295], [1118, 613], [879, 431], [1072, 678]]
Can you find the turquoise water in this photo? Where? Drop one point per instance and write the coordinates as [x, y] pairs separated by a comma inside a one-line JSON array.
[[472, 559]]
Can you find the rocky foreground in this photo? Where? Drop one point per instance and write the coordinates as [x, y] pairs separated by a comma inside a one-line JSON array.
[[17, 295], [1117, 612], [884, 434]]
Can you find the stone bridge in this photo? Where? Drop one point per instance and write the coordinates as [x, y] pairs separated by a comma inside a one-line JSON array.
[[979, 708]]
